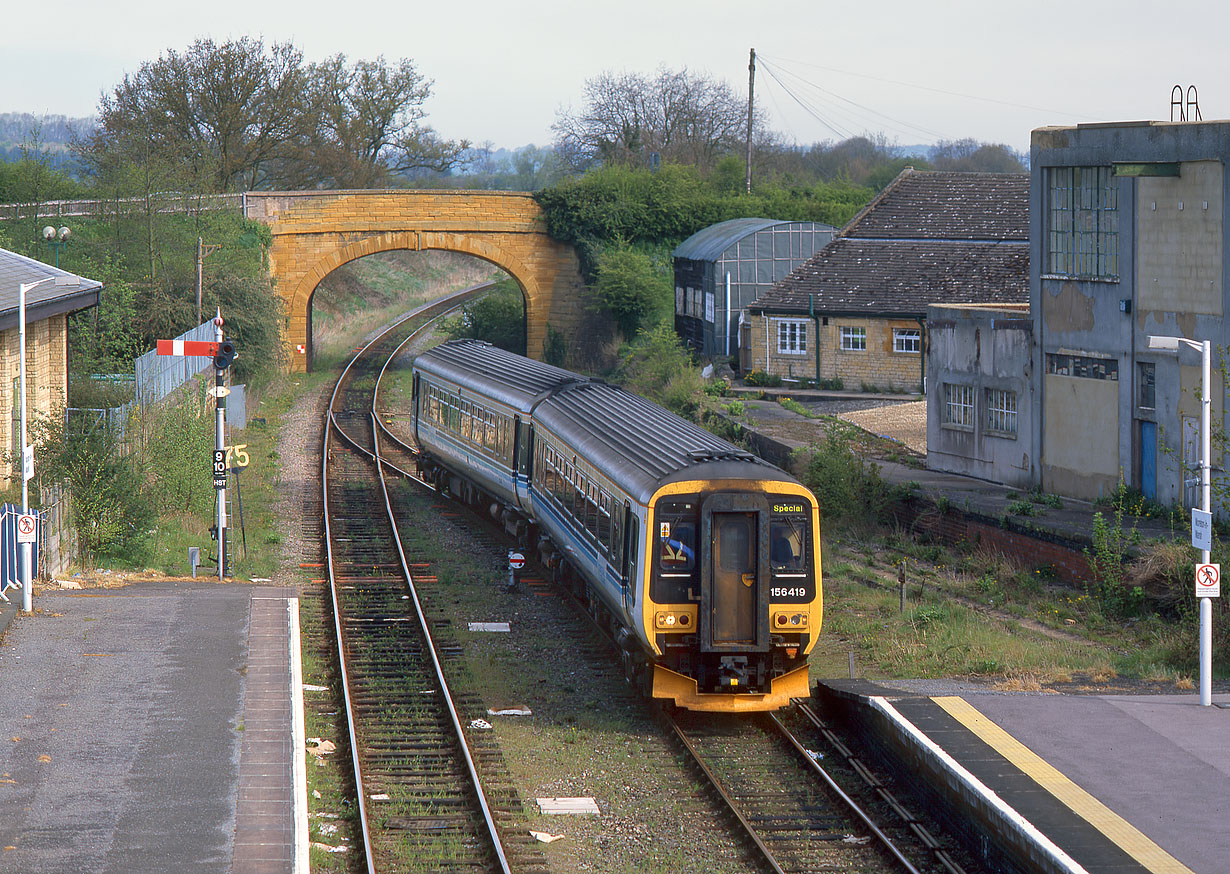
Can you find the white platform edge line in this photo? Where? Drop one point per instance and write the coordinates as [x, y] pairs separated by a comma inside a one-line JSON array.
[[298, 761], [1041, 841]]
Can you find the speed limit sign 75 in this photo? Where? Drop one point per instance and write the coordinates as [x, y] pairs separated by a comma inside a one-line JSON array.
[[1208, 581]]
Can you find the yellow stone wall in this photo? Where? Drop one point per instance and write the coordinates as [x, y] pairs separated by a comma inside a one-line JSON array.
[[46, 383], [316, 232], [876, 366]]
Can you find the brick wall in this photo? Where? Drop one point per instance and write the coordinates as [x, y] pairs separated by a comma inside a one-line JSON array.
[[877, 366], [46, 383], [1032, 548]]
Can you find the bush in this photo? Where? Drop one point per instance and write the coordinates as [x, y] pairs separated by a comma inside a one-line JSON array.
[[110, 511], [658, 367], [632, 286], [760, 379], [847, 486], [498, 317]]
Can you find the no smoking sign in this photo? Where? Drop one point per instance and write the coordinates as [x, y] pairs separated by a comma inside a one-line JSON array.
[[1208, 581]]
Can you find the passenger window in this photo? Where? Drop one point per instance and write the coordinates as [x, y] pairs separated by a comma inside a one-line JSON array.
[[786, 542]]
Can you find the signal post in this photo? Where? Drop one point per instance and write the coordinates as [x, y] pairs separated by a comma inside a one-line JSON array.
[[223, 353]]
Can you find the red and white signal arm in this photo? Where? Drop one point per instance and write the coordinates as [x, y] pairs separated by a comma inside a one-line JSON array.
[[1208, 581]]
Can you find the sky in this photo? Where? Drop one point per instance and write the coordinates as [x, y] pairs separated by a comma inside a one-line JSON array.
[[915, 72]]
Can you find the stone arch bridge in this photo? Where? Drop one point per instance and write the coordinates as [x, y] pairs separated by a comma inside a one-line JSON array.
[[315, 232]]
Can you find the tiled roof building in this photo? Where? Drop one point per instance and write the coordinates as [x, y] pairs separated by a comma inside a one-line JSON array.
[[928, 238]]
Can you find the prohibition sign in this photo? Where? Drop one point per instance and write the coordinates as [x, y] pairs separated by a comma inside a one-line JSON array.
[[26, 528], [1208, 581], [516, 560]]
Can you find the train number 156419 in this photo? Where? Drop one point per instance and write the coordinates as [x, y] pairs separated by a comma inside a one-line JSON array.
[[787, 592]]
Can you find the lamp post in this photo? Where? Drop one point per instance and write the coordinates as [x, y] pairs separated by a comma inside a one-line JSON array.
[[27, 452], [1206, 403], [56, 240]]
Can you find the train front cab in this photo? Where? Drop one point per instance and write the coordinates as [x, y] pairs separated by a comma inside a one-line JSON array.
[[734, 600]]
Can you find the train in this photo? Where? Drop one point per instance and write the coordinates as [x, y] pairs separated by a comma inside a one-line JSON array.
[[701, 559]]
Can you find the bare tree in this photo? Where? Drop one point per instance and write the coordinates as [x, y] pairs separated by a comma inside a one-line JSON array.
[[681, 116], [369, 124], [224, 110]]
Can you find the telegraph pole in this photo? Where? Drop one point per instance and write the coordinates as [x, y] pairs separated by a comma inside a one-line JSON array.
[[751, 86]]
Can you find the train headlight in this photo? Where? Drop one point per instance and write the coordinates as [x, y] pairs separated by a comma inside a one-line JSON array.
[[789, 620], [670, 620]]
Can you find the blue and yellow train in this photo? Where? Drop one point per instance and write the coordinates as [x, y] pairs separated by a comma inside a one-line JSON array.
[[703, 560]]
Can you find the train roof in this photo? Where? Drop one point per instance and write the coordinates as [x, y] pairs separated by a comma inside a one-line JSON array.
[[641, 446], [634, 442], [494, 372]]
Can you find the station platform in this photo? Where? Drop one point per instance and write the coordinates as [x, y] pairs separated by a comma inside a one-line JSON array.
[[1104, 784], [150, 727]]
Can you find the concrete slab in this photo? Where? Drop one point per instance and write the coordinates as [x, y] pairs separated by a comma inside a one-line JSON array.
[[567, 806]]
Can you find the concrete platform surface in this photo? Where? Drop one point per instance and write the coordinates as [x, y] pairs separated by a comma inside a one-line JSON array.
[[1085, 783], [121, 733]]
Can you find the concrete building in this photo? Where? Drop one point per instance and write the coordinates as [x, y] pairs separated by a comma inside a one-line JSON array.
[[721, 269], [980, 395], [856, 312], [1128, 239], [47, 309]]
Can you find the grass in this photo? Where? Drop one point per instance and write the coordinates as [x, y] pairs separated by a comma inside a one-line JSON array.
[[976, 614]]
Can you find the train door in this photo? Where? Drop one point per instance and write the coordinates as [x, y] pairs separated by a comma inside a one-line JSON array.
[[732, 595], [414, 405], [628, 563], [523, 453]]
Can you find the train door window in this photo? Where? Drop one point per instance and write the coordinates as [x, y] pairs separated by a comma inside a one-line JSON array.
[[787, 543], [631, 549], [617, 534], [433, 406], [604, 520]]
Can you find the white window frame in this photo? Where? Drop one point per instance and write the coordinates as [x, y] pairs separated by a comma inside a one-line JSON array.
[[680, 301], [791, 336], [709, 307], [853, 338], [903, 338], [959, 405], [1001, 411]]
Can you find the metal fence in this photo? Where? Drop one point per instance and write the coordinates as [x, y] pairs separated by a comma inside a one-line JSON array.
[[169, 202], [156, 377]]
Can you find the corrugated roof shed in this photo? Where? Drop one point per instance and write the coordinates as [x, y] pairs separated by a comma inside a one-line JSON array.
[[929, 237], [48, 299]]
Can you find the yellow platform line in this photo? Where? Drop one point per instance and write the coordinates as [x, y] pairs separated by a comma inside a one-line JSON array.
[[1121, 832]]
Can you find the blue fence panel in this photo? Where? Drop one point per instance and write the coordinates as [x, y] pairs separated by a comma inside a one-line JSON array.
[[10, 567]]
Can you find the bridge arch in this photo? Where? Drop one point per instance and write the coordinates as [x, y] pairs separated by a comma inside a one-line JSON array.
[[316, 232]]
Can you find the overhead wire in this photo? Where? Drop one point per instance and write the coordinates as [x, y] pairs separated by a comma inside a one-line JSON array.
[[810, 110], [770, 67], [933, 89]]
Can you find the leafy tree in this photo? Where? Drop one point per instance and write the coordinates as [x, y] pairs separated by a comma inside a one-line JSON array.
[[681, 116], [223, 111], [632, 286], [252, 312], [498, 317]]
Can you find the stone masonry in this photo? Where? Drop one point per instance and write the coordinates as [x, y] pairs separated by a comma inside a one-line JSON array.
[[316, 232]]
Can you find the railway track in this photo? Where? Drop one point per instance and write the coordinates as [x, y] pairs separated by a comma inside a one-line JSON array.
[[795, 815], [430, 793], [434, 793]]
